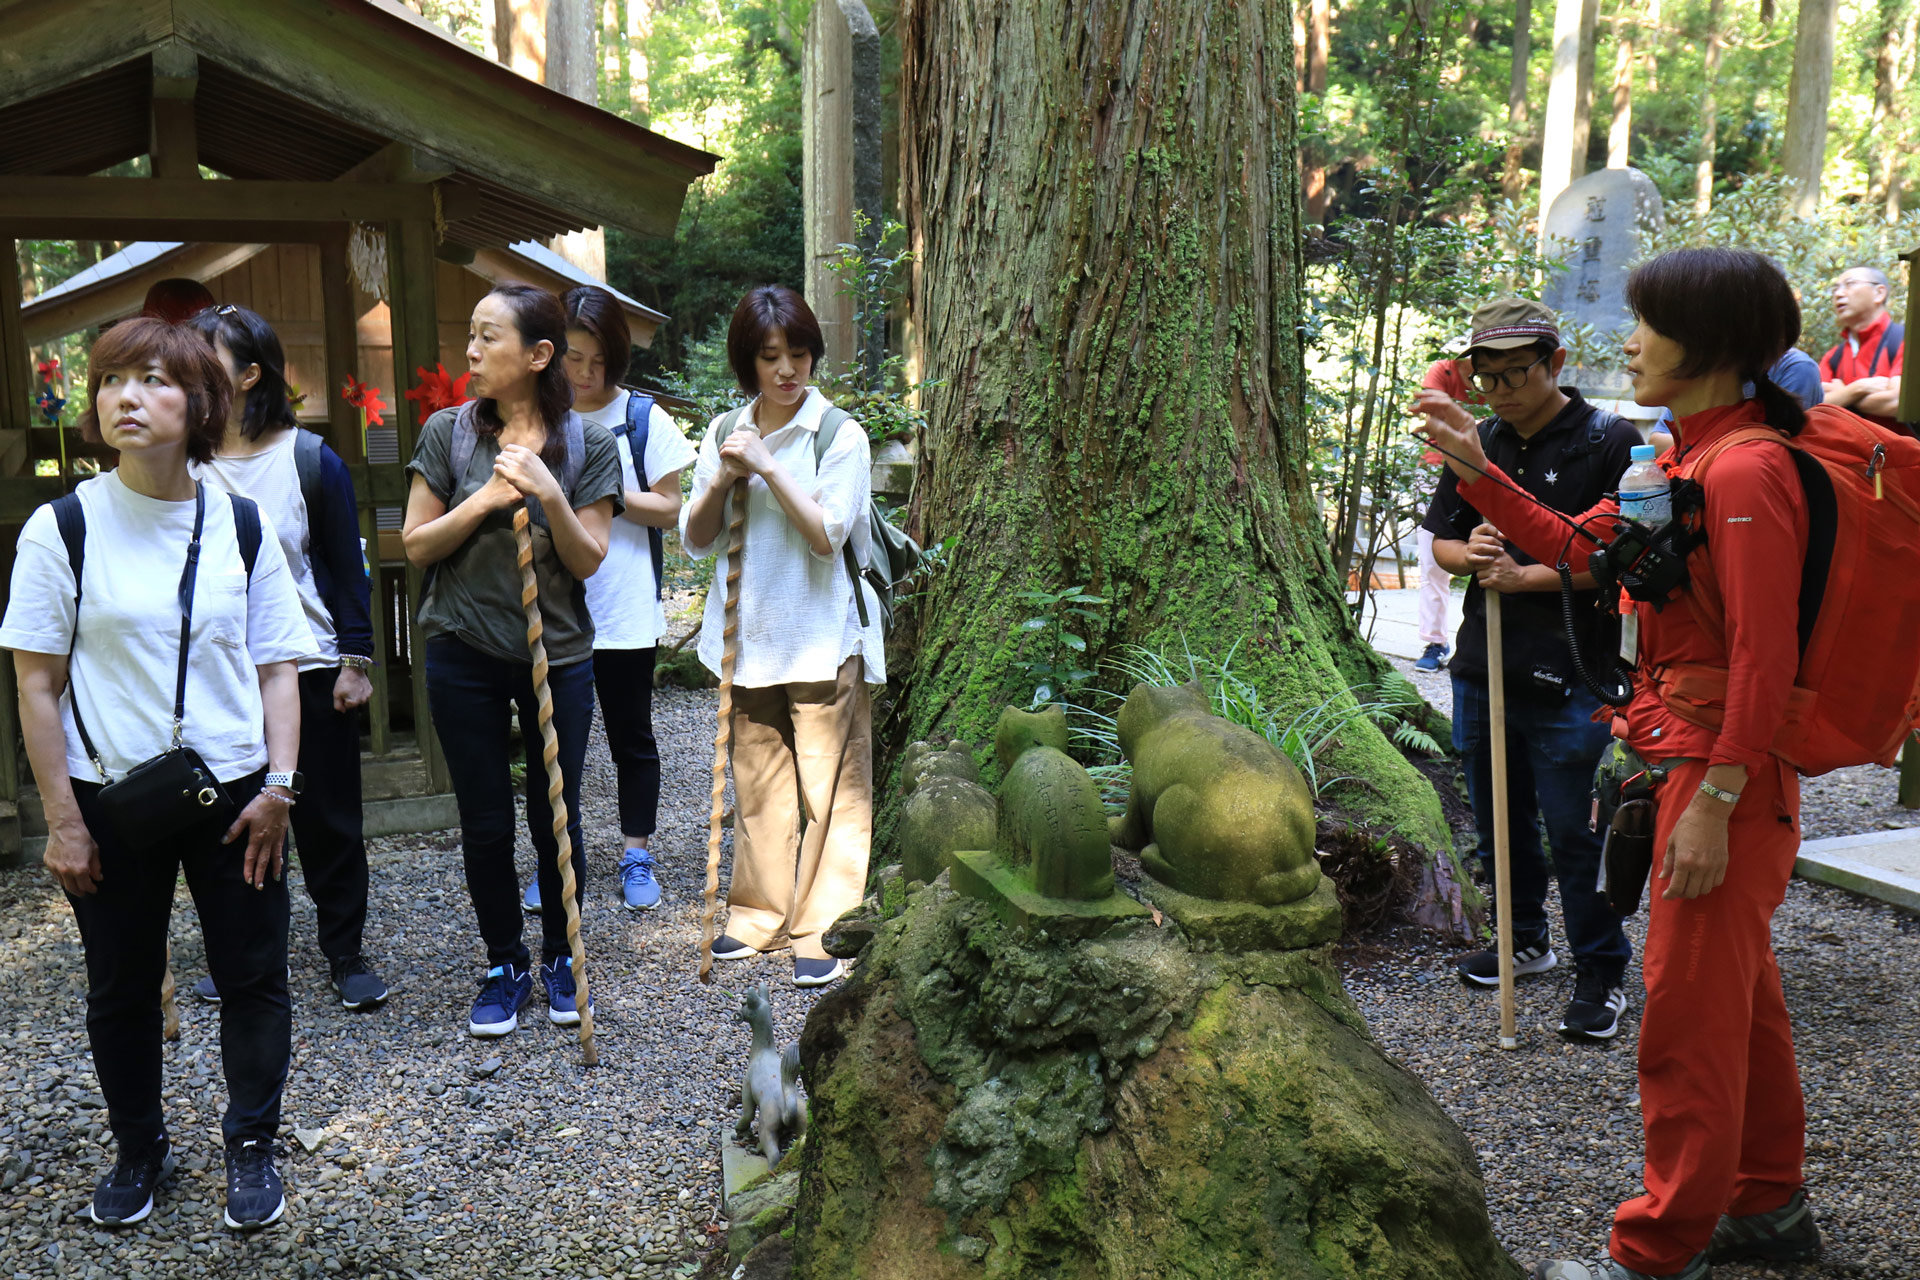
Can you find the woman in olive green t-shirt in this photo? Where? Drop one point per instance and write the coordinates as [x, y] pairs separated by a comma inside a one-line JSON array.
[[522, 432]]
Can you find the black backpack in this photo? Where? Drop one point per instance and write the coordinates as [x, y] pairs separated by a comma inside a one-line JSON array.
[[634, 432]]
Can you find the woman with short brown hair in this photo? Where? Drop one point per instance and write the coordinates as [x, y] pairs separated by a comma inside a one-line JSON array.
[[143, 597], [808, 646]]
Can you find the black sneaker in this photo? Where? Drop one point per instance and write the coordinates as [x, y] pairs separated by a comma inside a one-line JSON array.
[[206, 990], [359, 986], [1482, 968], [726, 947], [255, 1198], [1787, 1234], [1594, 1013], [125, 1195]]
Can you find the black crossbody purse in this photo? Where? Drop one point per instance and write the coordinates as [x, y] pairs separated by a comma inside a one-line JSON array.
[[174, 791]]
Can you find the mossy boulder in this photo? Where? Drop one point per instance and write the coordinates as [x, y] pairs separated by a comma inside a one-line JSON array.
[[993, 1102], [1215, 809]]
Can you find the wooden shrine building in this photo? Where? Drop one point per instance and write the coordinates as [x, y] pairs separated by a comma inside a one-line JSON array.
[[289, 132]]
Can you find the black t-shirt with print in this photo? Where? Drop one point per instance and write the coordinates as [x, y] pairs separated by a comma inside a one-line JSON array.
[[1570, 464]]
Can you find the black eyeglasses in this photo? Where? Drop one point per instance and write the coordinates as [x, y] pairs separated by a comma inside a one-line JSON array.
[[1512, 379]]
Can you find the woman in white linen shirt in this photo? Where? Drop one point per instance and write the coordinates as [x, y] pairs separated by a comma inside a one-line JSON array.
[[802, 717]]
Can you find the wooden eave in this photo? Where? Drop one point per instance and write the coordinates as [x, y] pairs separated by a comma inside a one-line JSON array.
[[305, 90]]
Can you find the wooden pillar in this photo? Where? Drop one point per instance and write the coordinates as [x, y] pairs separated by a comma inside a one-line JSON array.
[[416, 343], [16, 369], [343, 362]]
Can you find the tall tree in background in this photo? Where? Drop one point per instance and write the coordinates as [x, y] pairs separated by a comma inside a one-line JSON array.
[[1583, 86], [1625, 56], [1709, 109], [1557, 160], [1318, 28], [1893, 65], [1513, 180], [1804, 154], [1107, 280]]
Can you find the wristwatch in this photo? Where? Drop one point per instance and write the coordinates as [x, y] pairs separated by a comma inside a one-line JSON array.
[[291, 781], [358, 661]]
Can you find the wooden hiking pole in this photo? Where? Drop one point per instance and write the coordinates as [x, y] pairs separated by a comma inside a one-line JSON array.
[[556, 798], [723, 735], [1502, 873], [169, 1008]]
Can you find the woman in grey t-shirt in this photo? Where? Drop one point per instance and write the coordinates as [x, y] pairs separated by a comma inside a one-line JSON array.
[[473, 466]]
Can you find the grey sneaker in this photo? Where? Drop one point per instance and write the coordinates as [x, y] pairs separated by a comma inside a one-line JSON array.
[[1608, 1269], [1787, 1234]]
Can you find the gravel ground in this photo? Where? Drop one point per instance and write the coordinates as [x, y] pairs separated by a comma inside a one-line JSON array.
[[1557, 1125], [436, 1155]]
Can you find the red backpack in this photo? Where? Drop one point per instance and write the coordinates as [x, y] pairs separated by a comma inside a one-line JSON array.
[[1857, 694]]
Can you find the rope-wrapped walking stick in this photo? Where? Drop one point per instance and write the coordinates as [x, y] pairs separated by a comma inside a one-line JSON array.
[[169, 1009], [723, 735], [556, 799], [1502, 837]]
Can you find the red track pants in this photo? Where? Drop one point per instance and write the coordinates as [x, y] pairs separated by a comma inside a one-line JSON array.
[[1719, 1090]]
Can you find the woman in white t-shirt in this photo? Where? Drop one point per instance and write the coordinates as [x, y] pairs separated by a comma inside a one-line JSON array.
[[802, 718], [103, 653], [318, 521], [624, 596]]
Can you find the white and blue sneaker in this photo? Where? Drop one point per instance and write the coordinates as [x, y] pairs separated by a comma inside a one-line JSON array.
[[532, 901], [637, 882], [563, 1007], [496, 1011]]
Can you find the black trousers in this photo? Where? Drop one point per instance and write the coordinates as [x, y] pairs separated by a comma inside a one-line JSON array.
[[123, 927], [624, 680], [326, 822], [472, 694]]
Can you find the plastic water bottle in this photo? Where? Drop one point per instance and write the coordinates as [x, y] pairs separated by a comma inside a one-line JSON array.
[[1645, 495]]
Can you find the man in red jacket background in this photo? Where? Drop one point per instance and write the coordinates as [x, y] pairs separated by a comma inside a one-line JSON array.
[[1862, 372]]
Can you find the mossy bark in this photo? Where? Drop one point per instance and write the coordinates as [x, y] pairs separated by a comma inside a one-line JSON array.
[[1103, 203]]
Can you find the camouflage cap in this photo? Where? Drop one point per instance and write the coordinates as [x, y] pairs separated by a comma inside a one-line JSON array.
[[1506, 323]]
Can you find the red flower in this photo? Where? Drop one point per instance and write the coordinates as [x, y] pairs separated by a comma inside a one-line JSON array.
[[437, 391], [366, 399], [49, 368]]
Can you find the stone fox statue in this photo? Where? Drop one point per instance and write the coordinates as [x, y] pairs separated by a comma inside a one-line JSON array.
[[1215, 810], [770, 1089], [1051, 823]]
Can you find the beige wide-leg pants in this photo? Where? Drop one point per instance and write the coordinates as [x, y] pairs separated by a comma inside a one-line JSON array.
[[807, 745]]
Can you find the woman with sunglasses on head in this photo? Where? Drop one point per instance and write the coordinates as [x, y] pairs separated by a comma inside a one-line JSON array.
[[808, 645], [624, 596], [140, 631], [307, 495], [474, 466], [1720, 1092]]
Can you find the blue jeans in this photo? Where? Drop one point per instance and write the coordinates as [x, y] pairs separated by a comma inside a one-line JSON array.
[[1553, 747], [471, 695]]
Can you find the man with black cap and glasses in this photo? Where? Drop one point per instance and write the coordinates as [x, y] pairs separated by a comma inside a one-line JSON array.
[[1567, 453]]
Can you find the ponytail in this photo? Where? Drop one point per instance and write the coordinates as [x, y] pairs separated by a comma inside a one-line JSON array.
[[1782, 408]]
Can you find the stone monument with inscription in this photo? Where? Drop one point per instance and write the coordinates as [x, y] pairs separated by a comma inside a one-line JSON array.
[[1595, 226]]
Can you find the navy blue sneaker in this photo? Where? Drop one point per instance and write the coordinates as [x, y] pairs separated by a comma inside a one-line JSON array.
[[532, 901], [817, 973], [637, 883], [125, 1195], [255, 1198], [206, 990], [496, 1011], [563, 1009], [1433, 659]]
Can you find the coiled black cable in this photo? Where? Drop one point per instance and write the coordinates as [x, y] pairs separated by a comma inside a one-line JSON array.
[[1618, 697]]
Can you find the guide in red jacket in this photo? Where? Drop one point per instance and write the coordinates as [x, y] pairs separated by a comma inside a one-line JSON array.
[[1720, 1092], [1862, 372]]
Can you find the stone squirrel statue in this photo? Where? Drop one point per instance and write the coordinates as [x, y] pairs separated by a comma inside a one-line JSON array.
[[770, 1087], [1052, 825], [1215, 809]]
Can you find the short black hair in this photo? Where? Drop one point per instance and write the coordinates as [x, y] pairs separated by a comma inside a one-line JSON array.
[[599, 313], [1728, 309], [765, 308], [252, 341]]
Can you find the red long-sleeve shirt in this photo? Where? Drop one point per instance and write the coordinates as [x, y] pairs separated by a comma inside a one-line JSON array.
[[1756, 524]]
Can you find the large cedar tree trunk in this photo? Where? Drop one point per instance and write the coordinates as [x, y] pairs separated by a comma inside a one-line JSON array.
[[1104, 203], [1805, 153]]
